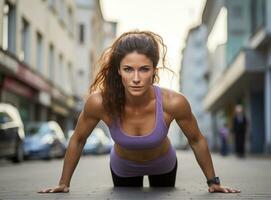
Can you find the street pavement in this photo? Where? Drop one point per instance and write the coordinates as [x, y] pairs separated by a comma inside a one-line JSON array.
[[92, 179]]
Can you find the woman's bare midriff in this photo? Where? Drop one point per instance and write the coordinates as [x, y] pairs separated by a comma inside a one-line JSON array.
[[143, 155]]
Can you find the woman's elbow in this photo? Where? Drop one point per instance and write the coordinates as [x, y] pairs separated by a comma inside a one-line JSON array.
[[75, 140], [196, 139]]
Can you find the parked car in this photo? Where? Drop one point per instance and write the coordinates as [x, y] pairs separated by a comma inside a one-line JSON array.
[[97, 143], [11, 133], [44, 140], [68, 136]]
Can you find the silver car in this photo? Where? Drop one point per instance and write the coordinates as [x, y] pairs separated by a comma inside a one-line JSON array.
[[97, 143], [44, 140], [11, 133]]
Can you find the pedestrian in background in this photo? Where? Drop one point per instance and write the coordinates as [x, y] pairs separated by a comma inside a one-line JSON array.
[[224, 133], [239, 130], [138, 114]]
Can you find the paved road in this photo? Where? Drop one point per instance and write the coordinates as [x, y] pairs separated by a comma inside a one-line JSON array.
[[92, 180]]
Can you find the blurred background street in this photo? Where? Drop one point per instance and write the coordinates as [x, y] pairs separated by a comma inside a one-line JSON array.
[[219, 50]]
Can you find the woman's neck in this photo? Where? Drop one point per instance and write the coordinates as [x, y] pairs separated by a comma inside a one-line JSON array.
[[140, 101]]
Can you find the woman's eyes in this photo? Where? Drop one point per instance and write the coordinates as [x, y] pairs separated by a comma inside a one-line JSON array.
[[141, 69], [145, 69], [127, 69]]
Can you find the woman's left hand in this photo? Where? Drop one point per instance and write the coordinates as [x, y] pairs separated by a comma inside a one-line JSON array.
[[219, 188]]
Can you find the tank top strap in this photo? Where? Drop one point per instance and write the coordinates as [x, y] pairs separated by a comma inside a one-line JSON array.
[[159, 104]]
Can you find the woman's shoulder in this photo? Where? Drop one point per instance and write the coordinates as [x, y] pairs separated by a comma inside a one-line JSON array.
[[174, 103], [94, 104], [171, 95]]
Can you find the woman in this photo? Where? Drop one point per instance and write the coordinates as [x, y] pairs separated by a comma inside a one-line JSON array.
[[138, 115]]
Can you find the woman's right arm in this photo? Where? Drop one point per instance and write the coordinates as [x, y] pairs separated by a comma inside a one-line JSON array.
[[87, 121]]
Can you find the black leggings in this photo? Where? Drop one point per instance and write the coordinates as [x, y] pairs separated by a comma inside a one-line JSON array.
[[160, 180]]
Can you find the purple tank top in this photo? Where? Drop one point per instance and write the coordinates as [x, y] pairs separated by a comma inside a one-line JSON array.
[[161, 165], [148, 141]]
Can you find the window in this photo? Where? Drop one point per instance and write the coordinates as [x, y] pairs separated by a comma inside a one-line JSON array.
[[81, 73], [51, 62], [52, 5], [9, 28], [64, 77], [60, 73], [237, 12], [39, 53], [25, 41], [81, 33], [4, 118], [70, 79], [62, 8], [70, 20], [257, 14]]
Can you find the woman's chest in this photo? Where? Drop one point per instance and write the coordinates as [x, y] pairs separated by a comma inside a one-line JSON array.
[[138, 123]]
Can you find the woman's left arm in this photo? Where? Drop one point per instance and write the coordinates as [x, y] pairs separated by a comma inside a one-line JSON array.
[[181, 111]]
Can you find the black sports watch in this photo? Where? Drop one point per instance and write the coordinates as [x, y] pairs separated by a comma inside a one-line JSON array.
[[214, 180]]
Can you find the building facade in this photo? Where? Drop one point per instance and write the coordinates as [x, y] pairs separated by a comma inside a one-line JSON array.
[[239, 65], [37, 60], [94, 34]]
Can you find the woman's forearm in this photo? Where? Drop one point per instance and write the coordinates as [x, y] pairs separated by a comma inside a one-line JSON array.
[[71, 159], [203, 157]]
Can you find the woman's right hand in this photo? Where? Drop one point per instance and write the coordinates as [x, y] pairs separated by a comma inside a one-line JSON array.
[[62, 188]]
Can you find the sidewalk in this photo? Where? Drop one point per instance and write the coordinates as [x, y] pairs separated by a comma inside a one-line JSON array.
[[92, 180]]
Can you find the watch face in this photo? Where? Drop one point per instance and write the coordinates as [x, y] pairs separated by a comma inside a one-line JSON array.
[[217, 181], [214, 180]]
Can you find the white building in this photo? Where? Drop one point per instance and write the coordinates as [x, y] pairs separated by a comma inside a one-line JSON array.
[[37, 59], [94, 34]]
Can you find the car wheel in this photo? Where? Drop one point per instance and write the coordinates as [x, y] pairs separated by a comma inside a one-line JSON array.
[[19, 156], [61, 153], [50, 155]]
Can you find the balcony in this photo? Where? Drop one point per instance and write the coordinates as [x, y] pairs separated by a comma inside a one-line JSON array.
[[246, 71]]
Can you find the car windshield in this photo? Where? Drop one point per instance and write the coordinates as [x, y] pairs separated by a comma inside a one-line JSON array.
[[4, 118], [35, 129]]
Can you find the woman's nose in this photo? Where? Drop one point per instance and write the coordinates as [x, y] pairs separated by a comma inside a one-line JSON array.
[[136, 82], [136, 79]]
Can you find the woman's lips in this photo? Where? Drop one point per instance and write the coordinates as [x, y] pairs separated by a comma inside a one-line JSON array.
[[136, 87]]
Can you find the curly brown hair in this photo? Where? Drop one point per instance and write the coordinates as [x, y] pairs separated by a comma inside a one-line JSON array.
[[108, 80]]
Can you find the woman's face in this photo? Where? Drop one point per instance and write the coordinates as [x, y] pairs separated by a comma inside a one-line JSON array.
[[136, 71]]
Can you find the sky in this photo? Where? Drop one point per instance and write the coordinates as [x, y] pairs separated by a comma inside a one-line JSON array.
[[171, 19]]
